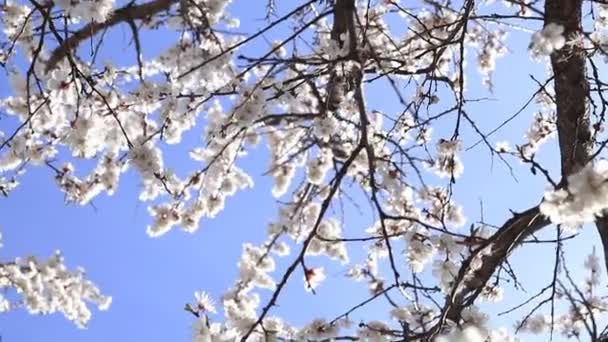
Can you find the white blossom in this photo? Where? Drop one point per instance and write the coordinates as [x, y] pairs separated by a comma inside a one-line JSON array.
[[48, 287], [204, 302], [584, 199], [549, 39]]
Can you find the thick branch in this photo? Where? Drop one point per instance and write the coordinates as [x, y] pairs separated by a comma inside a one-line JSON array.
[[124, 14], [602, 228], [571, 93], [512, 233], [571, 87], [343, 9]]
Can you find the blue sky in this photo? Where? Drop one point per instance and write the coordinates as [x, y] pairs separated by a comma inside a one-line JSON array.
[[151, 279]]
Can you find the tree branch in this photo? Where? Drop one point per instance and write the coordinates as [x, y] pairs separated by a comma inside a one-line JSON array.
[[511, 234], [124, 14], [571, 93], [571, 87], [573, 127]]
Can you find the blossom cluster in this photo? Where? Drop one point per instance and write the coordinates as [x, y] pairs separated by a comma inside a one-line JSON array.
[[47, 286], [87, 10], [549, 39], [583, 200], [447, 163]]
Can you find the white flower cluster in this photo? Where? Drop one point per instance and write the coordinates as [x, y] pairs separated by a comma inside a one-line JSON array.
[[87, 10], [446, 271], [601, 18], [202, 13], [204, 303], [442, 208], [240, 303], [147, 159], [474, 334], [418, 317], [419, 252], [426, 31], [592, 264], [403, 128], [104, 123], [282, 169], [17, 28], [24, 147], [492, 46], [326, 241], [317, 168], [584, 199], [447, 163], [7, 185], [203, 331], [468, 334], [543, 127], [549, 39], [47, 287], [104, 177]]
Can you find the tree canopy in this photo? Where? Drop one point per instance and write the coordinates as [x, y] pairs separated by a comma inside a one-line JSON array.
[[355, 106]]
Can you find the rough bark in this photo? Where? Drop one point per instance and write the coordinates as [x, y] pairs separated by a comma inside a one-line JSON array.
[[337, 85], [342, 10], [571, 87]]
